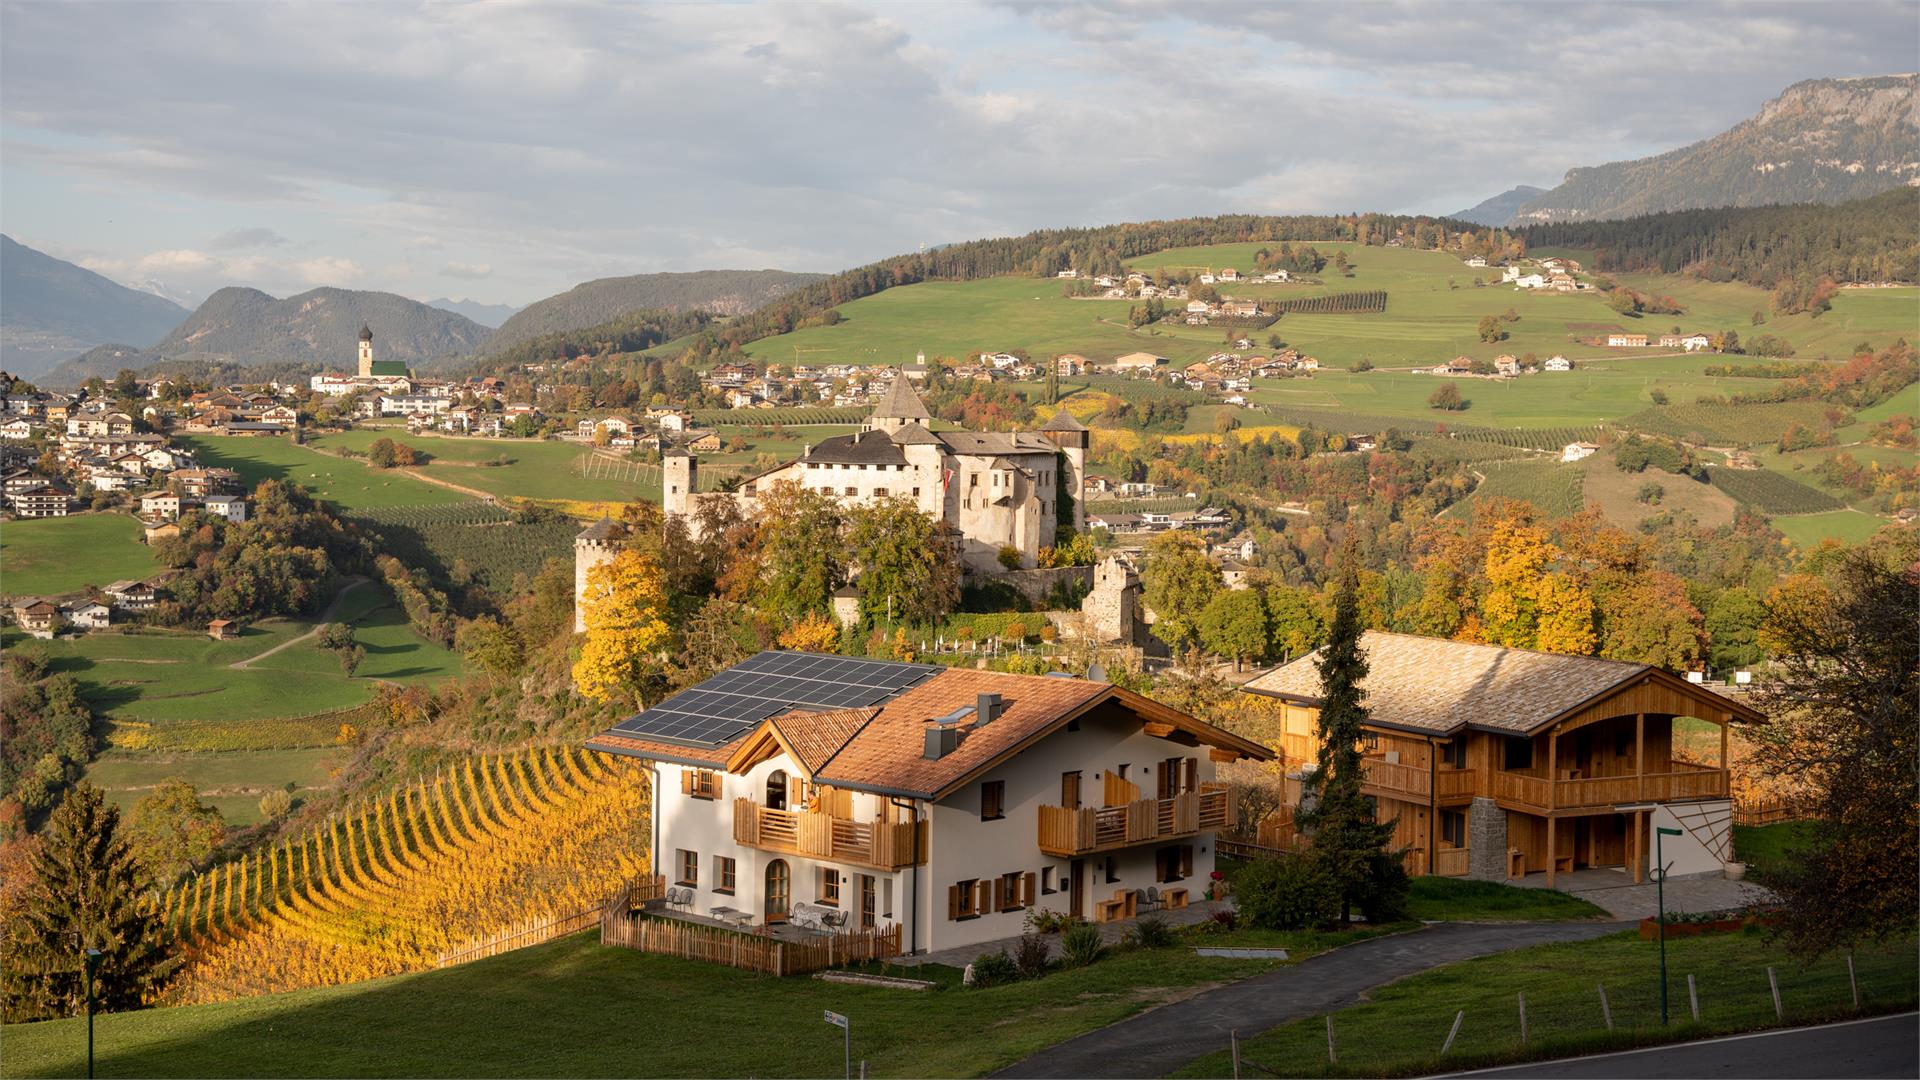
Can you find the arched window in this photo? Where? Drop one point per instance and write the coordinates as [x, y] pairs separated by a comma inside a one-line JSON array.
[[777, 790], [779, 890]]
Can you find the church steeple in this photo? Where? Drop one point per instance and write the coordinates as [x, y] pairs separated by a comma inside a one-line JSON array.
[[366, 351]]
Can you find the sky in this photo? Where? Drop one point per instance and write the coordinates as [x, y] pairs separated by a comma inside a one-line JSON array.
[[507, 151]]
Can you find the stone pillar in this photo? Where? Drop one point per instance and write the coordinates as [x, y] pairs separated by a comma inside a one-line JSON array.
[[1486, 841]]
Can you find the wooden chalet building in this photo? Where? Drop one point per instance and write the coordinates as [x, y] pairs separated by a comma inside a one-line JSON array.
[[1497, 762], [864, 794]]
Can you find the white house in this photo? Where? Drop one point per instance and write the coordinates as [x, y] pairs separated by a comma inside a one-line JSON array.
[[1557, 363], [947, 802], [163, 504], [1576, 451], [86, 614], [231, 507], [414, 405]]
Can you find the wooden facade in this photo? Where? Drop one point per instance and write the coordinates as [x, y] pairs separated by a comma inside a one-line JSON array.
[[1068, 831]]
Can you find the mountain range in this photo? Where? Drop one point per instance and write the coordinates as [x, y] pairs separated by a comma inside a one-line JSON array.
[[723, 292], [1501, 208], [51, 309], [1821, 141], [319, 327], [487, 315]]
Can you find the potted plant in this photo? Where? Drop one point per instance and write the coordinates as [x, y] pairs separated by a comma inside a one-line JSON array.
[[1217, 887]]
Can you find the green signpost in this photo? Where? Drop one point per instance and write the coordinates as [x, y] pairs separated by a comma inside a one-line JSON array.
[[1660, 892]]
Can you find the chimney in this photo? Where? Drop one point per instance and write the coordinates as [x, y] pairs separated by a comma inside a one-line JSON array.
[[942, 739], [985, 708]]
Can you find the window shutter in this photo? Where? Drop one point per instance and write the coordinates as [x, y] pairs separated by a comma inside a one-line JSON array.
[[1028, 893], [686, 781], [999, 894], [983, 896], [953, 902], [1192, 770], [796, 792], [1163, 782]]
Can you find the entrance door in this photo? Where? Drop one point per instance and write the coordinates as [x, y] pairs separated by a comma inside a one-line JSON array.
[[1077, 888], [779, 891], [869, 902]]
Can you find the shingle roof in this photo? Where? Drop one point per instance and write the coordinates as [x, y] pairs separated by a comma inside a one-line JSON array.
[[996, 442], [866, 448], [1433, 684], [915, 435], [599, 530], [901, 403], [817, 736], [1063, 421]]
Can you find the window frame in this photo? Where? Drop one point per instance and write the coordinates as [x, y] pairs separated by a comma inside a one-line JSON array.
[[993, 795], [829, 886], [687, 863], [726, 875]]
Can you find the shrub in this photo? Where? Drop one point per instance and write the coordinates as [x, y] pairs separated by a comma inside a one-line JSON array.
[[1287, 893], [994, 969], [1150, 932], [1383, 897], [1081, 945], [275, 804], [1010, 557], [1226, 918], [1030, 957]]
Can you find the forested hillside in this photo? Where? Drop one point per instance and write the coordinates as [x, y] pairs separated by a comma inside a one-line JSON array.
[[1876, 239], [596, 303], [1821, 140], [320, 326]]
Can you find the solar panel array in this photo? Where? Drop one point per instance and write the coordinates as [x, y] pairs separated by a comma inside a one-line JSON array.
[[718, 710]]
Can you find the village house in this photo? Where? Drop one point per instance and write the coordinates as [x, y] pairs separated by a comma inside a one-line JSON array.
[[231, 507], [1476, 261], [42, 501], [18, 429], [1626, 341], [223, 630], [1497, 763], [160, 504], [1138, 361], [86, 614], [1229, 274], [131, 595], [38, 618], [1688, 342], [1557, 363], [829, 792], [413, 405], [1506, 365], [1069, 365], [1578, 451]]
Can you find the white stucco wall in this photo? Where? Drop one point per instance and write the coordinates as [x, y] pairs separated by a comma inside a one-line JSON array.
[[1705, 843]]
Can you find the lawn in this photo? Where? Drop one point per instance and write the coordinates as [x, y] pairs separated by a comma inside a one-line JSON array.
[[1847, 526], [1400, 1029], [573, 1008], [348, 485], [1441, 899], [533, 469], [1761, 846], [232, 782], [52, 556]]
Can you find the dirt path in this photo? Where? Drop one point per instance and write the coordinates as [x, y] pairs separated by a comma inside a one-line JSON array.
[[325, 618]]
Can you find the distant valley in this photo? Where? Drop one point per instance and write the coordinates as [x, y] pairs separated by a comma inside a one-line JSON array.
[[51, 309]]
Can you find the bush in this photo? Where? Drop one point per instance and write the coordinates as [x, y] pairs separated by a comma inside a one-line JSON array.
[[1150, 932], [1081, 945], [275, 804], [1287, 893], [1383, 898], [1030, 957], [994, 969], [1010, 557]]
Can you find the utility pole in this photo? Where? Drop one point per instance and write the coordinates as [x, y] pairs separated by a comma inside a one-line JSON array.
[[1660, 893]]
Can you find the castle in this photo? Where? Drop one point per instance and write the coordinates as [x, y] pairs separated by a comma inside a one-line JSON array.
[[997, 490]]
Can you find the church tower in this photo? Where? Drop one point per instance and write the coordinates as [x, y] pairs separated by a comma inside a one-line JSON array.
[[592, 547], [366, 351]]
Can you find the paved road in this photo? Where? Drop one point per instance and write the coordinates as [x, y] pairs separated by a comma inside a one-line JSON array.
[[1161, 1040], [1888, 1046]]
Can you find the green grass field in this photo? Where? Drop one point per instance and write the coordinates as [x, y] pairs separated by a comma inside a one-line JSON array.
[[1432, 899], [1400, 1028], [535, 469], [348, 485], [52, 556], [574, 1008], [1555, 488], [232, 781], [1847, 526]]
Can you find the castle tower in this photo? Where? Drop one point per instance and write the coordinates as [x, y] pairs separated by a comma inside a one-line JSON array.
[[1114, 604], [900, 407], [681, 483], [366, 351], [1073, 438], [592, 547]]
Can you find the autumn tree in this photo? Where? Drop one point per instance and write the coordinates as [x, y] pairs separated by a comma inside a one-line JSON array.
[[171, 831], [1448, 398], [1178, 582], [909, 563], [381, 455], [624, 610], [492, 646], [1842, 702], [87, 893], [1294, 623], [1491, 328], [1347, 840], [796, 556], [1529, 604], [813, 633], [1234, 625]]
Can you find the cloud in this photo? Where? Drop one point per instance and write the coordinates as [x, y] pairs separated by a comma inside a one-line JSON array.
[[536, 146], [258, 236]]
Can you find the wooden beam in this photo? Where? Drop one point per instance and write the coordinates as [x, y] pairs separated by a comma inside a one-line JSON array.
[[1224, 757], [1157, 729], [1553, 852], [1633, 844], [1553, 769], [1724, 764], [1640, 755]]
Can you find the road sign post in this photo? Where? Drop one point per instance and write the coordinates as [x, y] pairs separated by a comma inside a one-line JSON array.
[[846, 1034], [1660, 892]]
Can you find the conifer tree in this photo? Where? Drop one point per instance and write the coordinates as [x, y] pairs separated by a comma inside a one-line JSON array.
[[86, 894], [1346, 839]]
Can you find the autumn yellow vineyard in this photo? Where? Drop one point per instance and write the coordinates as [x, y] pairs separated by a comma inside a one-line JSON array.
[[495, 842]]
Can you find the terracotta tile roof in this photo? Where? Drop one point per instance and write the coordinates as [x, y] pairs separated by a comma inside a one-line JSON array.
[[1433, 684], [663, 751], [889, 752], [817, 736]]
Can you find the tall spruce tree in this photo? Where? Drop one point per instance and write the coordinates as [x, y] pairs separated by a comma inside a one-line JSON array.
[[1347, 840], [86, 894]]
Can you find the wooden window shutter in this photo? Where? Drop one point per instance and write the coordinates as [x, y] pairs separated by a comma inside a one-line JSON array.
[[1163, 781], [953, 902], [1029, 892], [983, 895], [1192, 782], [999, 894], [796, 792], [686, 781]]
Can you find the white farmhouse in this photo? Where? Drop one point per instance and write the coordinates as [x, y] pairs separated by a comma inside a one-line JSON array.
[[836, 792]]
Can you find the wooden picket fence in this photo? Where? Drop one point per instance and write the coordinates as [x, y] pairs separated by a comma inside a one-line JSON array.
[[1767, 812], [519, 936], [747, 951]]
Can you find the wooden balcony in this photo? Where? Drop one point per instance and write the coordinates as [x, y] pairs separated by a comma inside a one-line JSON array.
[[877, 844], [1415, 782], [1066, 831], [1540, 794]]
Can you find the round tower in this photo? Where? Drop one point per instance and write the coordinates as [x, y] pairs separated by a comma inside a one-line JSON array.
[[366, 350], [594, 545]]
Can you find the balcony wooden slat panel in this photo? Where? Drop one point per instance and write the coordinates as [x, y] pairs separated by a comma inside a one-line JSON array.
[[1520, 788], [1458, 782], [1065, 832], [823, 836], [1394, 777]]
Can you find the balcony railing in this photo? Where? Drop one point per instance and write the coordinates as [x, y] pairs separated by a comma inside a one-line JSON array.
[[1415, 780], [1538, 791], [877, 844], [1066, 831]]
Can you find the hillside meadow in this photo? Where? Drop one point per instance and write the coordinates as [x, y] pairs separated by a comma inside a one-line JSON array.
[[54, 556], [347, 485]]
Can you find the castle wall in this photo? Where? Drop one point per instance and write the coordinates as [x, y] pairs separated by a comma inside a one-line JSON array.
[[587, 554]]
